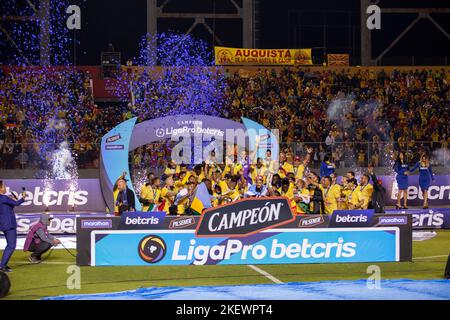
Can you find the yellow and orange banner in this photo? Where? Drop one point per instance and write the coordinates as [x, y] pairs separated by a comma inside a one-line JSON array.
[[242, 56], [338, 59]]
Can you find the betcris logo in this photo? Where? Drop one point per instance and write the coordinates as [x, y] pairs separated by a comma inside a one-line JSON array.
[[57, 224], [435, 192], [141, 220], [40, 197], [351, 218], [430, 219]]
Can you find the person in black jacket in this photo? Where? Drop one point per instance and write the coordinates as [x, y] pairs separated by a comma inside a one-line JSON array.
[[125, 199], [379, 193]]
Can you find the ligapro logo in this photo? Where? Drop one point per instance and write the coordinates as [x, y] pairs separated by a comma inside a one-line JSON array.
[[201, 254], [39, 197], [161, 132], [434, 192]]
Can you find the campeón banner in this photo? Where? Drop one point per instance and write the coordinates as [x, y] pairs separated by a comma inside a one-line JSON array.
[[242, 56]]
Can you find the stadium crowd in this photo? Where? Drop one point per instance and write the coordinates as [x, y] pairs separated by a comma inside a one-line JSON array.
[[353, 116]]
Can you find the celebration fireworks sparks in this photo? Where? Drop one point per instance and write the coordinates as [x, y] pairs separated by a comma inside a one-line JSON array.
[[188, 84], [26, 33], [46, 96]]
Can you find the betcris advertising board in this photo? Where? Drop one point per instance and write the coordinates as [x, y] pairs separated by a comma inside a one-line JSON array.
[[247, 232], [275, 246], [351, 218]]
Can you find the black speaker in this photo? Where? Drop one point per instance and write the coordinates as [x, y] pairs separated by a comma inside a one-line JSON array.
[[5, 284], [447, 268]]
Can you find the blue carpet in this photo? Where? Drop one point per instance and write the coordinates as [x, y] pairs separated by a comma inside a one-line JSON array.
[[402, 289]]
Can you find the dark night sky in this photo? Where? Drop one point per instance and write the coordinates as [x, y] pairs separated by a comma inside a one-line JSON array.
[[282, 24]]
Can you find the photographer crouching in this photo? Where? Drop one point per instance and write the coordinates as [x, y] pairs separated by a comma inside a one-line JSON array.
[[39, 240]]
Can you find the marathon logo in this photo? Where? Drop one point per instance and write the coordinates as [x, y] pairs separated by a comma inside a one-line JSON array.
[[393, 220], [115, 147], [245, 217], [96, 224], [181, 223], [113, 138], [311, 222]]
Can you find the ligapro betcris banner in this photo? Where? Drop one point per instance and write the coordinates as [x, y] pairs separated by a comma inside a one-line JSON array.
[[275, 246]]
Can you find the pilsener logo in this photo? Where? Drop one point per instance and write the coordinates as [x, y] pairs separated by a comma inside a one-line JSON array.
[[245, 217], [311, 222], [182, 223]]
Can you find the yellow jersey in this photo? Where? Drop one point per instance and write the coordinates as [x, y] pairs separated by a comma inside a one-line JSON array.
[[345, 193], [365, 194], [259, 172], [298, 207], [150, 193], [285, 169], [289, 194], [330, 197], [167, 199], [299, 171], [233, 194], [353, 197]]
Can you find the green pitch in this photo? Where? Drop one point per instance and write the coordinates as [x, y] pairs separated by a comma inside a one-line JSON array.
[[50, 277]]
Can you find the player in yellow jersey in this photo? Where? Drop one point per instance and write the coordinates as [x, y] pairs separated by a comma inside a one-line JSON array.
[[168, 194], [330, 195], [301, 197], [229, 189], [259, 169], [365, 190], [287, 190], [171, 168], [150, 194], [183, 198], [284, 166], [353, 200], [269, 162], [345, 193], [298, 168]]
